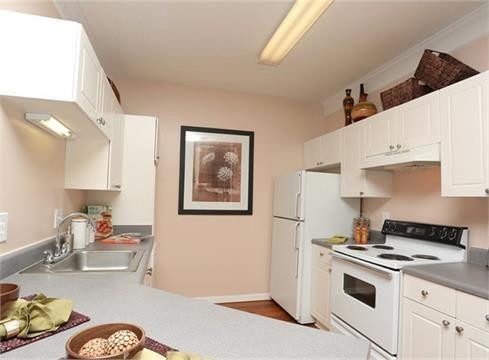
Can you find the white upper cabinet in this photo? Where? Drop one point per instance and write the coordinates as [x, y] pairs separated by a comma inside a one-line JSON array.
[[464, 137], [330, 149], [312, 151], [418, 122], [380, 133], [322, 152], [52, 68], [406, 133], [356, 182]]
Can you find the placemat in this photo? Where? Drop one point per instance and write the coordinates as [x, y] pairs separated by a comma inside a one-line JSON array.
[[74, 320], [157, 347]]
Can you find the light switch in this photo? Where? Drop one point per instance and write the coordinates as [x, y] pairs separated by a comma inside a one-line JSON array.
[[3, 226]]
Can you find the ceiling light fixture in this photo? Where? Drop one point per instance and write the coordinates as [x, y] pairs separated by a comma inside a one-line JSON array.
[[298, 21], [50, 124]]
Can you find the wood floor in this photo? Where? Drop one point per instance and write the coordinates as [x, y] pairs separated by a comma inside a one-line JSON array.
[[267, 308]]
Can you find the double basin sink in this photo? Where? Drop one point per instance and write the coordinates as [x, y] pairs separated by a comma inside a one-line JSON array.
[[92, 261]]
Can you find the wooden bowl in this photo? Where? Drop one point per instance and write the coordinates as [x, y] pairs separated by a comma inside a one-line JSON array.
[[75, 343], [8, 293]]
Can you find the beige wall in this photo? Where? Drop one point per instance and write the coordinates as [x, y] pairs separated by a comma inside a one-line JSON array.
[[220, 255], [416, 194], [31, 167]]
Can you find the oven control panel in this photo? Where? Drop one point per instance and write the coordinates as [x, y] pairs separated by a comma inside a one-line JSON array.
[[451, 235]]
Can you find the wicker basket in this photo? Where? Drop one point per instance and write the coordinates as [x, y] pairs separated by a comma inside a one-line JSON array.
[[437, 70], [404, 92]]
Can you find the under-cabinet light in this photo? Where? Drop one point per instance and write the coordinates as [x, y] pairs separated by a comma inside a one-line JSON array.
[[298, 21], [50, 124]]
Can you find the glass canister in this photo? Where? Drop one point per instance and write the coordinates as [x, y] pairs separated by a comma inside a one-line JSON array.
[[365, 231], [357, 229]]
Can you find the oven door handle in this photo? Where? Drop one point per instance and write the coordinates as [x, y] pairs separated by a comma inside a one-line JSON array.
[[340, 257]]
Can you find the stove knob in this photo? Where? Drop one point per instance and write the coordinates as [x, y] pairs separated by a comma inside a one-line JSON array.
[[443, 233], [433, 231], [453, 234]]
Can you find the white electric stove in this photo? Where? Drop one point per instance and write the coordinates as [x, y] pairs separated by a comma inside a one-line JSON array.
[[366, 279]]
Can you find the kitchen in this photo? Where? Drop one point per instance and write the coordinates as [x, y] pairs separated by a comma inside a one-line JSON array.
[[188, 81]]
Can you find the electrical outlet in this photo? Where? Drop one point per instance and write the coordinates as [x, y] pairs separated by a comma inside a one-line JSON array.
[[386, 215], [3, 226], [58, 216]]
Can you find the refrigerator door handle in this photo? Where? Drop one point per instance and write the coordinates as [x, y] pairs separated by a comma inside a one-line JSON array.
[[296, 251], [297, 205]]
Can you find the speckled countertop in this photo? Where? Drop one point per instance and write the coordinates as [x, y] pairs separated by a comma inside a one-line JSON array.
[[180, 322]]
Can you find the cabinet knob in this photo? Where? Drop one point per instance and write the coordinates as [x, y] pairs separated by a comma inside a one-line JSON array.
[[116, 186], [398, 146], [459, 329], [330, 270], [487, 191], [321, 254], [361, 193], [424, 293], [487, 317], [445, 322], [101, 121], [391, 147]]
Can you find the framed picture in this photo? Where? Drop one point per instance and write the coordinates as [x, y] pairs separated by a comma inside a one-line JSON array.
[[216, 171]]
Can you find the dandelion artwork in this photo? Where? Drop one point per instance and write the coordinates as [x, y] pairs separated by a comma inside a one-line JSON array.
[[216, 171]]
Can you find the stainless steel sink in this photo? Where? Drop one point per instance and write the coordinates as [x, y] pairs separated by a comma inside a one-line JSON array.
[[92, 261]]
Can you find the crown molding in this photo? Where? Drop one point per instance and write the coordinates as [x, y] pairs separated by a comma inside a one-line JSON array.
[[462, 32]]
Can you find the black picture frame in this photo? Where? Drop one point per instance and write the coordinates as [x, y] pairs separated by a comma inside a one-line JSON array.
[[183, 176]]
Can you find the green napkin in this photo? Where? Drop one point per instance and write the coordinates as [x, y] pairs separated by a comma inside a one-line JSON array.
[[37, 316]]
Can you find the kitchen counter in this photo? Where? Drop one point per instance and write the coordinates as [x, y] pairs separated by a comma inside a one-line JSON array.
[[464, 276], [180, 322]]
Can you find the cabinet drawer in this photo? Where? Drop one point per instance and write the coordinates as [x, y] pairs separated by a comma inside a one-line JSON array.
[[473, 310], [433, 295], [322, 256]]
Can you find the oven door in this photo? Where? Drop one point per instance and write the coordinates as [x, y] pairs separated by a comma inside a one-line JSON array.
[[366, 297]]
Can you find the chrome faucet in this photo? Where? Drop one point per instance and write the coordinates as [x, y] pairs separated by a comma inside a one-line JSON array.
[[63, 248]]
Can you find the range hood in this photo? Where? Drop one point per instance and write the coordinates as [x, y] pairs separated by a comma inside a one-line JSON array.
[[419, 157]]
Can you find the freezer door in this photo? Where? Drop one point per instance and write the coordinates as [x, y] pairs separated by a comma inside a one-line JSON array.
[[288, 200], [285, 268]]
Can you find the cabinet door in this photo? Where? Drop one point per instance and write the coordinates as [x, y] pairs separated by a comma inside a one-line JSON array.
[[426, 333], [352, 177], [320, 294], [108, 104], [330, 149], [312, 150], [116, 149], [89, 79], [380, 133], [471, 343], [464, 137], [418, 122]]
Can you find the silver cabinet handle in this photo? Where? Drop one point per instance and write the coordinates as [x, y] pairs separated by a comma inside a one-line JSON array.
[[459, 329], [445, 322], [101, 121], [424, 293], [149, 271], [487, 317]]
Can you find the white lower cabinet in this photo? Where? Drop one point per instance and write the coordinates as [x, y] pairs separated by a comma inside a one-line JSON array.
[[321, 274], [425, 334], [428, 332]]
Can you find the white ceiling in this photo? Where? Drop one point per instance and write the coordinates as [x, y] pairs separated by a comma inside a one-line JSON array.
[[216, 43]]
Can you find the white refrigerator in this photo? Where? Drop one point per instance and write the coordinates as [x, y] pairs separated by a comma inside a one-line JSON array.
[[307, 205]]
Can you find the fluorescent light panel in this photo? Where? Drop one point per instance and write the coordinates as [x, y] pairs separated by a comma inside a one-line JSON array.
[[50, 124], [298, 21]]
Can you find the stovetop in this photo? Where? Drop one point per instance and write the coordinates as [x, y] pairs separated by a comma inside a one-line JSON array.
[[398, 252]]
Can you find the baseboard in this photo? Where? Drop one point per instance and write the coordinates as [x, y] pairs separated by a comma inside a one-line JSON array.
[[235, 298]]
